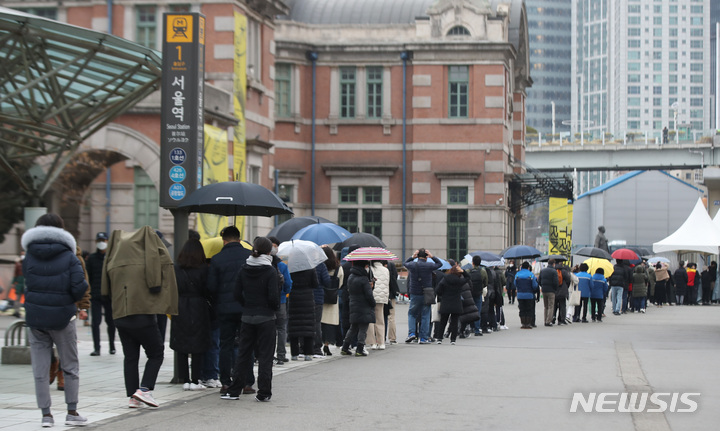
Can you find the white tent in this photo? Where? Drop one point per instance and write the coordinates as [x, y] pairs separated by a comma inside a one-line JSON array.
[[698, 233]]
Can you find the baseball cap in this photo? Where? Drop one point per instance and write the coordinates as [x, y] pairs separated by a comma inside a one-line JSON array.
[[101, 236]]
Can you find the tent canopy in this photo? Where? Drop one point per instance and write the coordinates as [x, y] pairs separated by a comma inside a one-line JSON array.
[[698, 233]]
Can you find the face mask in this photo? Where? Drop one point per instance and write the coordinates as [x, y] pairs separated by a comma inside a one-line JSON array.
[[102, 245], [273, 252], [22, 257]]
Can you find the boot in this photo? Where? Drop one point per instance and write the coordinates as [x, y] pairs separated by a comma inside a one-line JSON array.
[[345, 350], [360, 350], [60, 380]]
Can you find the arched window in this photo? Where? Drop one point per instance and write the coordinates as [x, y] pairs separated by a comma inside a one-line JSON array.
[[458, 30]]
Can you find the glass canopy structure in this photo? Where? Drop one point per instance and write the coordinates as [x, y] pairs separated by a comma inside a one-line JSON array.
[[59, 84]]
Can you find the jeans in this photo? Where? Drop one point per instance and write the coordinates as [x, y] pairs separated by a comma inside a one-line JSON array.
[[418, 311], [639, 303], [211, 368], [616, 297], [478, 304], [281, 320], [98, 307], [625, 300], [149, 339], [41, 345], [261, 339]]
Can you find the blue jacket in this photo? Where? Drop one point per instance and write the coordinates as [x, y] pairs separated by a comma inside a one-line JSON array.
[[323, 277], [526, 284], [54, 277], [584, 284], [420, 274], [599, 286], [222, 277], [287, 284]]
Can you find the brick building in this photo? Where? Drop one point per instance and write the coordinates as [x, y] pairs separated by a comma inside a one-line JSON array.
[[343, 69], [325, 118]]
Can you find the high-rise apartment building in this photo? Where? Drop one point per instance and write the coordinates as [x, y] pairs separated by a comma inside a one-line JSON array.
[[550, 32], [639, 66]]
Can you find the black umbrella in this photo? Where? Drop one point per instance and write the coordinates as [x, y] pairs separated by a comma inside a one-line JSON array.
[[362, 239], [235, 198], [521, 252], [557, 257], [593, 252], [285, 231]]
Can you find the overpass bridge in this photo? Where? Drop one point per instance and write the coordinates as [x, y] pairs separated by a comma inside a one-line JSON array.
[[621, 156]]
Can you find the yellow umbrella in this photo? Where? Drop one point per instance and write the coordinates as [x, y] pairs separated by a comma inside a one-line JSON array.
[[212, 246], [595, 263]]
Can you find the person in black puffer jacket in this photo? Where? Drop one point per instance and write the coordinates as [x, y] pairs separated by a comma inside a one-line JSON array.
[[258, 291], [190, 329], [301, 313], [362, 307], [54, 282], [449, 293]]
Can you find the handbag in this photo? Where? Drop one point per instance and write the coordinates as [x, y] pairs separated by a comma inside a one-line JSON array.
[[429, 295], [435, 313], [574, 298], [331, 293]]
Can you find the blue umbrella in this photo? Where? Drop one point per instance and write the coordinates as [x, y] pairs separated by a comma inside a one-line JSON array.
[[521, 252], [323, 233], [445, 263]]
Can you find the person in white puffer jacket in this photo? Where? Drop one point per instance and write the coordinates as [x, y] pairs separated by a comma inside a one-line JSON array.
[[381, 293]]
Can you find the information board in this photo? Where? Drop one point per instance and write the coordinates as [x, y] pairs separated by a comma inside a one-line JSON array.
[[182, 120]]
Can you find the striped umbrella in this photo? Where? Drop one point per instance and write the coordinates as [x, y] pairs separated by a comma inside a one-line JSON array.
[[370, 253]]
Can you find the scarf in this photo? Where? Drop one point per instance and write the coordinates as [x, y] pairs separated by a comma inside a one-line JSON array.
[[263, 259]]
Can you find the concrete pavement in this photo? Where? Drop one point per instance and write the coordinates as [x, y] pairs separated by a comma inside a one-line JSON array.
[[515, 379]]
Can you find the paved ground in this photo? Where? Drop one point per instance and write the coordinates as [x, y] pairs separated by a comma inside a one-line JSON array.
[[515, 379]]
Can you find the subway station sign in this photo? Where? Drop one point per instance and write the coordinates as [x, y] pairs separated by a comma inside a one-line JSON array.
[[181, 147]]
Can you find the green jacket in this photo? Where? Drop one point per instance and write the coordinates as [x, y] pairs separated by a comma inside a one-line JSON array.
[[138, 274], [640, 283]]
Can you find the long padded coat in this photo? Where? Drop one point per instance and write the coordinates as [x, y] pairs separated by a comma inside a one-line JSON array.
[[301, 308]]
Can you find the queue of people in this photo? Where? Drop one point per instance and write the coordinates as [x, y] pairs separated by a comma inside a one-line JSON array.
[[241, 306]]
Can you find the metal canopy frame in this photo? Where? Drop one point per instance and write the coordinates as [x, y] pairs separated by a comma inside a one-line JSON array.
[[535, 186], [59, 84]]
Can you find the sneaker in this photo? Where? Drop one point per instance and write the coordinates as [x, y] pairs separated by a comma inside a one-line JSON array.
[[391, 342], [197, 387], [361, 353], [439, 341], [134, 404], [345, 352], [505, 327], [452, 343], [374, 347], [146, 397], [278, 362], [229, 396], [423, 341], [294, 358], [95, 353], [642, 310], [478, 334], [47, 421], [261, 399], [212, 383], [381, 347], [186, 387], [411, 338], [75, 420], [308, 358], [365, 351], [316, 355]]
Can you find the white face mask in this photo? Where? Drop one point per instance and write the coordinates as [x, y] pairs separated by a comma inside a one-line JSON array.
[[273, 252], [102, 245]]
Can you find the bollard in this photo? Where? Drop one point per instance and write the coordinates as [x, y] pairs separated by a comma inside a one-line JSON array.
[[17, 346]]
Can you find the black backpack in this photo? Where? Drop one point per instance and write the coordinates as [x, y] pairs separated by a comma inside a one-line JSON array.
[[477, 281]]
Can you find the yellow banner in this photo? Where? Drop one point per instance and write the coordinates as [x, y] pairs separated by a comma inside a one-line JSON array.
[[239, 87], [569, 227], [559, 239], [215, 170]]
